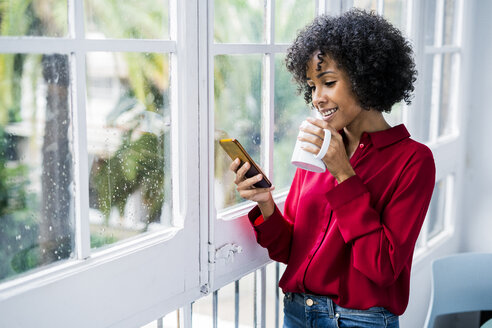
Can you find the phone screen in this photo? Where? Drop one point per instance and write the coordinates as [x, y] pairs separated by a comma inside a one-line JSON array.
[[235, 150]]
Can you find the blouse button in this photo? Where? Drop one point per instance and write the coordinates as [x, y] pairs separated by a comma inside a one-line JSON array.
[[361, 146]]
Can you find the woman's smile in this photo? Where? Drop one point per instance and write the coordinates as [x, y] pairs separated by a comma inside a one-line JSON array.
[[327, 114]]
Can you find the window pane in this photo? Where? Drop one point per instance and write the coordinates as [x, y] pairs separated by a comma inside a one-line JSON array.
[[128, 135], [431, 84], [430, 23], [239, 21], [395, 117], [237, 87], [447, 106], [36, 179], [395, 12], [291, 16], [449, 29], [132, 19], [435, 218], [290, 111], [34, 18], [366, 4]]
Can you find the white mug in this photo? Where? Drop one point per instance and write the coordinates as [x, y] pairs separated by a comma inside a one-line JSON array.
[[309, 161]]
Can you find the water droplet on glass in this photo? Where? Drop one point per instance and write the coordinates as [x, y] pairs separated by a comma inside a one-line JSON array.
[[51, 228], [18, 237]]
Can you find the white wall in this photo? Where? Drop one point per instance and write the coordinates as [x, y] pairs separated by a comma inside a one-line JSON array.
[[477, 194]]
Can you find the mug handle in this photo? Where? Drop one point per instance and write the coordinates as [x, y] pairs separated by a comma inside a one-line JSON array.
[[325, 145]]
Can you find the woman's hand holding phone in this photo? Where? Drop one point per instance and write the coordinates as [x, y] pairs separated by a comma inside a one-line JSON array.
[[262, 196]]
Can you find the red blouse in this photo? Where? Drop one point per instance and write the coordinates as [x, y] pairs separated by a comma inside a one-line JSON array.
[[354, 241]]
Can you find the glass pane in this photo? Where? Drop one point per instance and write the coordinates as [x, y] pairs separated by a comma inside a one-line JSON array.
[[36, 175], [34, 18], [430, 86], [130, 19], [450, 24], [128, 131], [430, 23], [366, 4], [395, 117], [291, 16], [239, 21], [447, 106], [237, 87], [435, 218], [290, 111], [395, 12]]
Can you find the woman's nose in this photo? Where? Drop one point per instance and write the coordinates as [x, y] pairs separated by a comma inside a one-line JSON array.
[[317, 97]]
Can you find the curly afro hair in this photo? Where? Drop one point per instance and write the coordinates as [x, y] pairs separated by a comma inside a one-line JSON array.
[[376, 57]]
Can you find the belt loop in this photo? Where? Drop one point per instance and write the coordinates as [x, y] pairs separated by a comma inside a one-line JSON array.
[[331, 310]]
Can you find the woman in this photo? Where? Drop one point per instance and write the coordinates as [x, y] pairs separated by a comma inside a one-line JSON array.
[[348, 235]]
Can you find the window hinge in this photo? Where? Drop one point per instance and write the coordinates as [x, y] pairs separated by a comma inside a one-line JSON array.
[[226, 253], [204, 289]]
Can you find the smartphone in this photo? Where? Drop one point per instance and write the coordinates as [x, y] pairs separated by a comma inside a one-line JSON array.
[[234, 149]]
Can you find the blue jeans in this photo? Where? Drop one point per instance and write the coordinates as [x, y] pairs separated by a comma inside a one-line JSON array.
[[304, 310]]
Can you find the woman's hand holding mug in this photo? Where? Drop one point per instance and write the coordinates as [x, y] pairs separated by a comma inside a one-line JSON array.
[[335, 159]]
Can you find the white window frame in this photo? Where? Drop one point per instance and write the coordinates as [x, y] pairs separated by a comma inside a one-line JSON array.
[[136, 281], [449, 150]]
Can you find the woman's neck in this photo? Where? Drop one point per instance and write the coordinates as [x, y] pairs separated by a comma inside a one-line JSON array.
[[367, 121]]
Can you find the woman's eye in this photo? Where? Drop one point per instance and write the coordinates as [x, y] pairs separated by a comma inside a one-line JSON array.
[[329, 84]]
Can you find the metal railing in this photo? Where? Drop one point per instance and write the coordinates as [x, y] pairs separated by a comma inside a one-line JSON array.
[[241, 304]]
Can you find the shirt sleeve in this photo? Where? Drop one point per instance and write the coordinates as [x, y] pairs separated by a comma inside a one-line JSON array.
[[383, 242], [275, 233]]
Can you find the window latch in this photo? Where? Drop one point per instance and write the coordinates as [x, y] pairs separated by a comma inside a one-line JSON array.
[[227, 252]]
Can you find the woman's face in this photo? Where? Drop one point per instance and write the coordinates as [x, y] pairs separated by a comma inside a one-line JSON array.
[[331, 92]]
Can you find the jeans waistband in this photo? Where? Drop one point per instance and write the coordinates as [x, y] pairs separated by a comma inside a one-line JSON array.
[[313, 302], [325, 304]]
